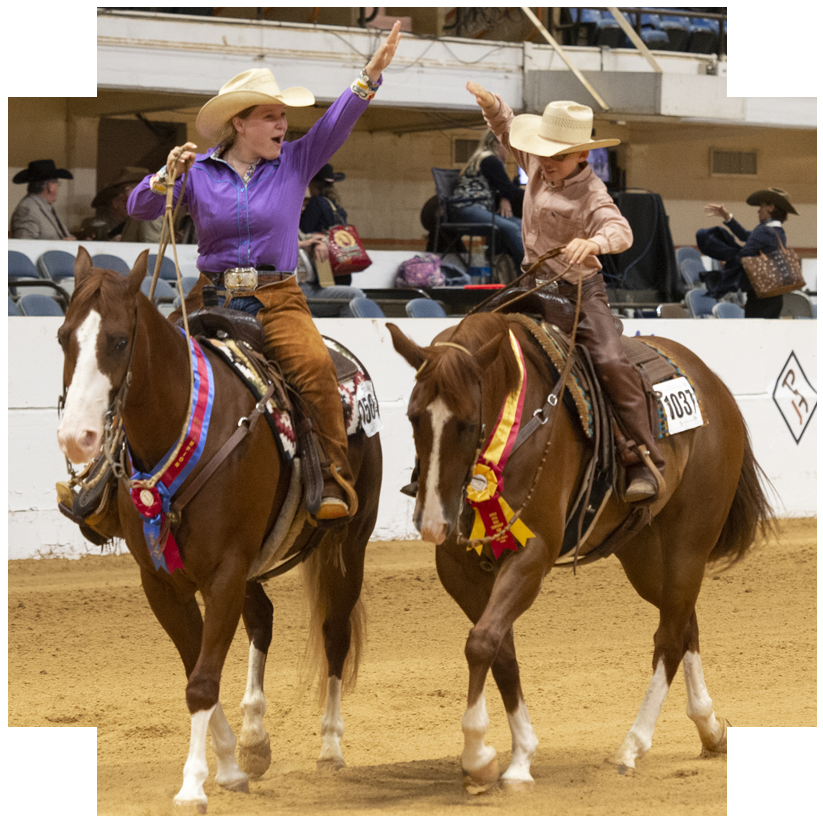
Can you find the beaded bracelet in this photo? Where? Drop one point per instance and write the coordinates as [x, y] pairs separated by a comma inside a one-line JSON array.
[[363, 87], [158, 182]]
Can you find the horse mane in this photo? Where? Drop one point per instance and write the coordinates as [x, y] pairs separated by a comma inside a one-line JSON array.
[[448, 369]]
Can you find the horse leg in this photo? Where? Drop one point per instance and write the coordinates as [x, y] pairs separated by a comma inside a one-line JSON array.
[[506, 673], [255, 747], [667, 573], [493, 606], [699, 706], [222, 613], [332, 576]]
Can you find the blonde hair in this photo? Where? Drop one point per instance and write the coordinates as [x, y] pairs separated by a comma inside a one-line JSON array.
[[485, 148], [228, 132]]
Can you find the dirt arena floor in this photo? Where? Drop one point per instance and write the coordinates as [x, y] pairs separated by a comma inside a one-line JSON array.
[[85, 650]]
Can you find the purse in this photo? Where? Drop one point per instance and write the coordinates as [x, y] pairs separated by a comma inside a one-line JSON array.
[[347, 254], [776, 273]]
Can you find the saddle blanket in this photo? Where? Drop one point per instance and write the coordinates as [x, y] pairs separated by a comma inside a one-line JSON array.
[[360, 407], [678, 404]]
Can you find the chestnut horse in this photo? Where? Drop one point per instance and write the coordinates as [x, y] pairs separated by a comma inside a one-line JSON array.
[[712, 505], [111, 324]]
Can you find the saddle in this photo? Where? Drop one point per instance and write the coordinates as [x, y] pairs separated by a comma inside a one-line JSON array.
[[549, 318], [238, 338]]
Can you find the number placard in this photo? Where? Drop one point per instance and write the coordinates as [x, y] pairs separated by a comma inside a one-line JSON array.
[[367, 408], [680, 404]]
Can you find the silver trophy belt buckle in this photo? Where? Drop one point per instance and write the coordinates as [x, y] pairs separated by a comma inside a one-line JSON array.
[[240, 280]]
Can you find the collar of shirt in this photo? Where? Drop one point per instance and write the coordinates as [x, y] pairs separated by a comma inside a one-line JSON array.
[[774, 223]]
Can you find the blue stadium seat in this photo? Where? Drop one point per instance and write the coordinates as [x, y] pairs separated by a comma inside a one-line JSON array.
[[699, 303], [56, 265], [167, 269], [607, 32], [704, 36], [39, 305], [728, 311], [365, 307], [21, 266], [677, 28], [424, 307], [110, 262], [690, 271], [14, 311], [164, 294]]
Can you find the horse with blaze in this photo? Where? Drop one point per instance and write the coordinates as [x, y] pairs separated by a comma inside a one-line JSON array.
[[710, 511], [114, 340]]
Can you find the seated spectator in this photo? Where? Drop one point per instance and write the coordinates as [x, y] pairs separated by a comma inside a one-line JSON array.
[[111, 220], [35, 216], [484, 189], [309, 279], [323, 210]]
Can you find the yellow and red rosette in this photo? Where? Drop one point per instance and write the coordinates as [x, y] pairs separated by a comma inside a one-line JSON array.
[[492, 513]]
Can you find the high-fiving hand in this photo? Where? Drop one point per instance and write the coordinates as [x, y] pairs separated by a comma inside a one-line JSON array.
[[383, 56]]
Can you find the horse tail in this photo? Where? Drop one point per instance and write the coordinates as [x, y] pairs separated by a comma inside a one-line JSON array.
[[750, 514], [318, 590]]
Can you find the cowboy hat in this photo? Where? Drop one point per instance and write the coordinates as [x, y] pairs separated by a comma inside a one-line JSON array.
[[128, 175], [42, 170], [564, 127], [326, 174], [248, 89], [772, 196]]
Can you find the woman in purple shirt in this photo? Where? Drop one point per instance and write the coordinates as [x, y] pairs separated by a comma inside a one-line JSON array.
[[244, 195]]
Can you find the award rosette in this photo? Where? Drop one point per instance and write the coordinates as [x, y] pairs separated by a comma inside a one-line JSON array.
[[492, 514]]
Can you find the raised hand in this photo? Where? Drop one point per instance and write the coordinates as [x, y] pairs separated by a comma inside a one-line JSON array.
[[181, 159], [383, 56], [718, 210], [483, 97]]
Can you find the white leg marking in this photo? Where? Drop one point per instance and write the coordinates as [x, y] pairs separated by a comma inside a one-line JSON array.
[[638, 740], [699, 705], [196, 769], [255, 747], [80, 431], [524, 746], [229, 775], [476, 755], [433, 522], [331, 726]]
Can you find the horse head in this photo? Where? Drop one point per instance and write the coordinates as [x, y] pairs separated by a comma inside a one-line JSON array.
[[457, 378], [97, 339]]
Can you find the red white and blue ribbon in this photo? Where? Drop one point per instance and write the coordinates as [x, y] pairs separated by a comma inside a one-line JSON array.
[[154, 503], [492, 513]]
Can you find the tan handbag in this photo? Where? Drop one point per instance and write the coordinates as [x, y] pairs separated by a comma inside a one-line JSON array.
[[776, 273]]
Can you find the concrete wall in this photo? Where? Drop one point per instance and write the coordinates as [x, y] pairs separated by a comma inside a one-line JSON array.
[[749, 355]]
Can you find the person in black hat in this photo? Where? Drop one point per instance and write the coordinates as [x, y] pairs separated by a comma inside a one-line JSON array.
[[35, 217], [773, 208], [323, 209]]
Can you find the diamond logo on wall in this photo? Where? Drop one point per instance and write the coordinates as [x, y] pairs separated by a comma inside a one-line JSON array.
[[795, 397]]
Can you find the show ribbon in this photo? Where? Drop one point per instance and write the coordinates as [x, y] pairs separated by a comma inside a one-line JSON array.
[[154, 503], [492, 513]]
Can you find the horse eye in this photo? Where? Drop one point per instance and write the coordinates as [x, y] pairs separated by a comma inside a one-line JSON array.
[[118, 344]]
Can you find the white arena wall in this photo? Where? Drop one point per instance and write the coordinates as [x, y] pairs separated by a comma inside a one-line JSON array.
[[753, 357]]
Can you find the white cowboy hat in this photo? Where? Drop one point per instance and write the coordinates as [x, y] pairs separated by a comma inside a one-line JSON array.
[[564, 127], [248, 89]]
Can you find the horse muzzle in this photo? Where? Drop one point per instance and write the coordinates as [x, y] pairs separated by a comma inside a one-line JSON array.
[[79, 445]]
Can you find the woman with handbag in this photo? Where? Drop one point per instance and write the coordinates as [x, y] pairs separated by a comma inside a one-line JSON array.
[[773, 207], [244, 195]]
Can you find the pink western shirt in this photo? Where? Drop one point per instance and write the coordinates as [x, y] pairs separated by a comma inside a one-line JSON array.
[[553, 215]]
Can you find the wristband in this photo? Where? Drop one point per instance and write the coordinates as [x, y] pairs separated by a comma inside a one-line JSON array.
[[363, 87], [158, 182]]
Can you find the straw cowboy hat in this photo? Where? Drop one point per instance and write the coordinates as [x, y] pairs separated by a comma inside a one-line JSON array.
[[248, 89], [772, 196], [127, 175], [564, 127]]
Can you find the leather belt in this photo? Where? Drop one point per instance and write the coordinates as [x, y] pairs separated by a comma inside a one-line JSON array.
[[262, 275]]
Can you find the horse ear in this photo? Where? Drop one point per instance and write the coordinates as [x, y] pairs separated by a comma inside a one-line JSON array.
[[138, 273], [405, 347], [82, 265], [488, 353]]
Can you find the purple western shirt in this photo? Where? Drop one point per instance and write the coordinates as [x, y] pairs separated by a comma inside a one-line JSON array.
[[240, 225]]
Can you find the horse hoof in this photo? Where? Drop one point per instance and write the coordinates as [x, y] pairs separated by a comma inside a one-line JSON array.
[[512, 786], [621, 766], [255, 760], [190, 808], [482, 779], [329, 765], [718, 747], [239, 785]]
